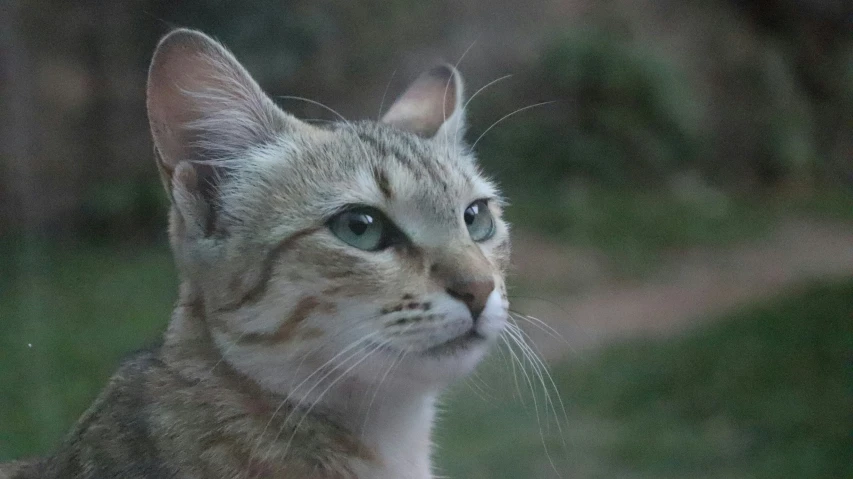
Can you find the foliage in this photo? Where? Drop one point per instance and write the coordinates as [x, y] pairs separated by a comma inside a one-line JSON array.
[[273, 38], [124, 210], [621, 116], [68, 313], [633, 107], [762, 393]]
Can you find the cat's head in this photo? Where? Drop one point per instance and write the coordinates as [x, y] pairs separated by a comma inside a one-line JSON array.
[[378, 242]]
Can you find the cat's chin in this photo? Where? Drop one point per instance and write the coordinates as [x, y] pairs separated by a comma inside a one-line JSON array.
[[440, 365], [455, 358], [458, 345]]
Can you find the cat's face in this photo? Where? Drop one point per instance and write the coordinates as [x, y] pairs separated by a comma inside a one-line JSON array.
[[364, 246]]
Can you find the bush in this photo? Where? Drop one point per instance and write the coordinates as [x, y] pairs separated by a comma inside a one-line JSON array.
[[620, 116], [634, 107], [124, 210]]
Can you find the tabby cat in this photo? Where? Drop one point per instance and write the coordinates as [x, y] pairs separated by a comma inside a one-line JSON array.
[[334, 279]]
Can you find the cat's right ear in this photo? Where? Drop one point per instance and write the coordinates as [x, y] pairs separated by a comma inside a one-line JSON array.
[[205, 112]]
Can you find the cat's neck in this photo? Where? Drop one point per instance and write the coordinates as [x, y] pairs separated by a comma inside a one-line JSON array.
[[391, 420], [394, 419]]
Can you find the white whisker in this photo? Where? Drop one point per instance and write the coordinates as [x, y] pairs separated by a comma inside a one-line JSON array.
[[512, 365], [542, 370], [517, 334], [307, 412], [479, 388], [384, 93], [289, 396], [542, 325], [317, 103], [465, 106], [507, 116], [487, 85], [456, 107], [394, 363], [318, 382]]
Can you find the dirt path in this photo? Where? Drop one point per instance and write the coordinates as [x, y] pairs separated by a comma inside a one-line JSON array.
[[591, 307]]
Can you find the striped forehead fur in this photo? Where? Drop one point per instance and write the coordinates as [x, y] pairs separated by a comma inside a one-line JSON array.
[[310, 175]]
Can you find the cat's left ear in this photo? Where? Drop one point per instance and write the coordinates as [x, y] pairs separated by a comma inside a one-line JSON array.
[[432, 107]]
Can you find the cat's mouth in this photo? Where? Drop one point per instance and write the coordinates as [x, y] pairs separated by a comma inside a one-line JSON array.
[[461, 342]]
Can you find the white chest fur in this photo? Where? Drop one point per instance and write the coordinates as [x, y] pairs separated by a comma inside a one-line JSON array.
[[397, 427]]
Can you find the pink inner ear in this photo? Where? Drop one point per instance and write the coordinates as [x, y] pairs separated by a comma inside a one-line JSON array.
[[427, 104], [179, 65], [203, 104]]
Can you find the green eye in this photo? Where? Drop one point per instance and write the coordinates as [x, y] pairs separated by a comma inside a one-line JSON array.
[[362, 227], [478, 219]]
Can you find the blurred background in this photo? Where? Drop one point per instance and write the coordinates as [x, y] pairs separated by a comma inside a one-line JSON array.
[[683, 212]]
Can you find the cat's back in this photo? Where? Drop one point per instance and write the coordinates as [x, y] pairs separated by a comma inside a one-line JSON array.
[[113, 438], [20, 470]]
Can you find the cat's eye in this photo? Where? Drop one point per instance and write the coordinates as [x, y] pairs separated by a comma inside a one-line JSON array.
[[479, 220], [363, 227]]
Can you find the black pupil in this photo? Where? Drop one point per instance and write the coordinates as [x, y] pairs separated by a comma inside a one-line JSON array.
[[471, 214], [359, 222]]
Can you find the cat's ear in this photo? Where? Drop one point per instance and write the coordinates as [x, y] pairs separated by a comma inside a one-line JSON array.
[[205, 110], [432, 106]]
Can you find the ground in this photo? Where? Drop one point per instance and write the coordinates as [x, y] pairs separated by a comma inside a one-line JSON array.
[[578, 293]]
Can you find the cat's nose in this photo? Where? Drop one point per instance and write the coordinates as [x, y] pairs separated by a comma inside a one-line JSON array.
[[474, 293], [466, 275]]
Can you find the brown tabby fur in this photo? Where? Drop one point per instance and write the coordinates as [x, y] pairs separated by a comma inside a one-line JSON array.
[[268, 286], [180, 411]]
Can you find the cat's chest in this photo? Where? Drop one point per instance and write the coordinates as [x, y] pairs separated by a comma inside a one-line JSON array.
[[399, 470], [400, 438]]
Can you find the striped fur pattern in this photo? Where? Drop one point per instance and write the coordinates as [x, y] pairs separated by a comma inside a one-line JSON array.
[[292, 354]]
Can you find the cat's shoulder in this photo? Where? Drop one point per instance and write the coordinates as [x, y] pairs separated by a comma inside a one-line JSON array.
[[21, 470], [113, 438]]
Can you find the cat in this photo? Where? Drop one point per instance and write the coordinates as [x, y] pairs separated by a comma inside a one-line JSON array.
[[334, 280]]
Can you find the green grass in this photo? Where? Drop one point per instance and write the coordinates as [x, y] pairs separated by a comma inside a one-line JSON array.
[[766, 392], [67, 316]]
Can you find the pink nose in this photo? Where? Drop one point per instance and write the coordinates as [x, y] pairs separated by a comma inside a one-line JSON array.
[[474, 293]]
